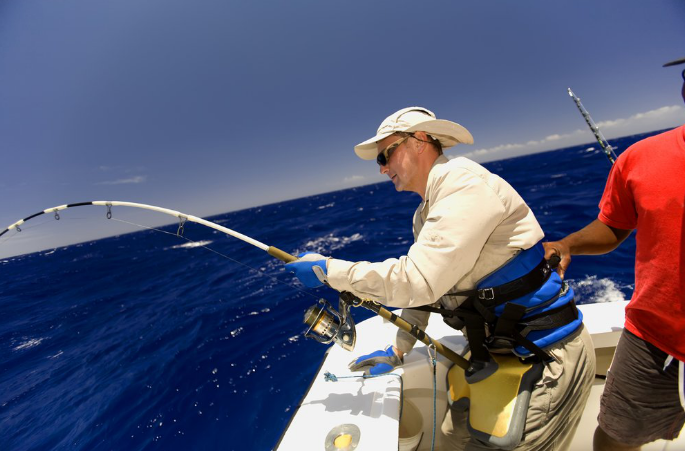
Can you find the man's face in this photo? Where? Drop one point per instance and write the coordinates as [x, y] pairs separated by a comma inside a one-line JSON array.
[[400, 167]]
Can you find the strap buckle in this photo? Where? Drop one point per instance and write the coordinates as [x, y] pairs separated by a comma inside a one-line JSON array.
[[487, 294]]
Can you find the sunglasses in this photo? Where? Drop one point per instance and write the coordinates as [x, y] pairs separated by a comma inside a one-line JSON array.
[[385, 154]]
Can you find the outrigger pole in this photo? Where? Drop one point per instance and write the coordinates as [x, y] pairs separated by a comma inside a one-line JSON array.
[[285, 257], [608, 150]]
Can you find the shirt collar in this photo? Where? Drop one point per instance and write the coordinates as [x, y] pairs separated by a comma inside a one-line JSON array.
[[442, 159]]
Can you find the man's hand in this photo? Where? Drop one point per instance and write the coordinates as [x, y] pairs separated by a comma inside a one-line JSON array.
[[378, 362], [594, 239], [562, 251], [310, 268]]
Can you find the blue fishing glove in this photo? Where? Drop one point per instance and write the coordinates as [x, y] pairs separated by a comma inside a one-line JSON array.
[[377, 362], [310, 268]]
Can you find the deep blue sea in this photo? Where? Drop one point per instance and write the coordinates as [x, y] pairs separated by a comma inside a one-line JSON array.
[[147, 341]]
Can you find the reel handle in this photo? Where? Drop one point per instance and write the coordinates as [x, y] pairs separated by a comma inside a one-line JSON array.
[[554, 261]]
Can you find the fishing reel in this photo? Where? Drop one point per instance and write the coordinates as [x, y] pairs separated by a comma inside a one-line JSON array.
[[327, 325]]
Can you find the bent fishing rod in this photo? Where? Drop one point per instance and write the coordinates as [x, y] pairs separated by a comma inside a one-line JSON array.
[[606, 147], [326, 325]]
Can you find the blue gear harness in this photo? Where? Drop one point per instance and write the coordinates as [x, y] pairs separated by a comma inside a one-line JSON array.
[[523, 306]]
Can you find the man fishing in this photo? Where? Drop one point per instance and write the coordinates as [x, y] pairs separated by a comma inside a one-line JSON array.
[[643, 396], [477, 259]]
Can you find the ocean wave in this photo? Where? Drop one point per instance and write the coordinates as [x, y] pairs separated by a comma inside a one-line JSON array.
[[87, 256], [236, 332], [192, 244], [59, 353], [31, 343], [330, 242], [264, 310], [596, 290]]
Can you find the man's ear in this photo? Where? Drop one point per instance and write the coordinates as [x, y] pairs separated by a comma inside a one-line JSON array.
[[420, 142], [424, 140]]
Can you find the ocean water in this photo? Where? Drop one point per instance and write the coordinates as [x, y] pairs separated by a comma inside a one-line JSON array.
[[148, 341]]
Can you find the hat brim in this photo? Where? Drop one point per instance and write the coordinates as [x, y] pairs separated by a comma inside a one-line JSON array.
[[447, 132]]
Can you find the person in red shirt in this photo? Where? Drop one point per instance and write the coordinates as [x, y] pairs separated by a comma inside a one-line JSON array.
[[643, 398]]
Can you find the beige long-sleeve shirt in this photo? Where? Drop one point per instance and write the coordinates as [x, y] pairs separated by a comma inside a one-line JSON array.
[[470, 223]]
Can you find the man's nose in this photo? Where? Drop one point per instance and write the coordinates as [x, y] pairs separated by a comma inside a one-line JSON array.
[[383, 169]]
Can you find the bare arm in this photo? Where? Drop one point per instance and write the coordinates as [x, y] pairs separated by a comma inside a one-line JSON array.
[[594, 239]]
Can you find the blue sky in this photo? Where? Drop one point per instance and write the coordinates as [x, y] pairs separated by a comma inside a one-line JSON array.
[[212, 106]]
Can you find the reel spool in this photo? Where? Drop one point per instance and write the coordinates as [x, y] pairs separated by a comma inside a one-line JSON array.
[[327, 325]]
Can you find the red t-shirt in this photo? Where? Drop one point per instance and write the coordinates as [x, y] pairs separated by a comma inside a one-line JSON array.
[[646, 191]]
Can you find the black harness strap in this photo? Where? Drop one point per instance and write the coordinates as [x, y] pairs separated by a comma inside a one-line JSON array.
[[449, 313], [532, 347], [475, 330], [442, 311], [477, 314], [507, 321], [511, 327], [494, 296], [506, 327], [550, 319]]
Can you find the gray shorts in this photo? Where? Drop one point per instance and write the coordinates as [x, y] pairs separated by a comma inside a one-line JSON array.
[[640, 402]]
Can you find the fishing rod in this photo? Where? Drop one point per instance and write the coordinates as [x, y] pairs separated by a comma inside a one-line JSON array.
[[182, 217], [326, 325], [606, 147]]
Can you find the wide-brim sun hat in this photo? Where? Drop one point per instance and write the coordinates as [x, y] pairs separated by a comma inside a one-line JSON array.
[[415, 119]]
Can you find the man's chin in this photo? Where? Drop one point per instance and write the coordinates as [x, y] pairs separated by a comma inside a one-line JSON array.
[[399, 186]]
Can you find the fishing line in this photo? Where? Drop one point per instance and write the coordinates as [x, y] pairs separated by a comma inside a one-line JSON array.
[[5, 239], [39, 224], [16, 232], [259, 272]]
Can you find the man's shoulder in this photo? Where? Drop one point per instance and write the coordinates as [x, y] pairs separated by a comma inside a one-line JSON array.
[[460, 171], [648, 144], [461, 164]]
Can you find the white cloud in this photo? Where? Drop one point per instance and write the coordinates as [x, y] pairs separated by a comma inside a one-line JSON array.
[[121, 169], [132, 180], [660, 118], [353, 179]]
